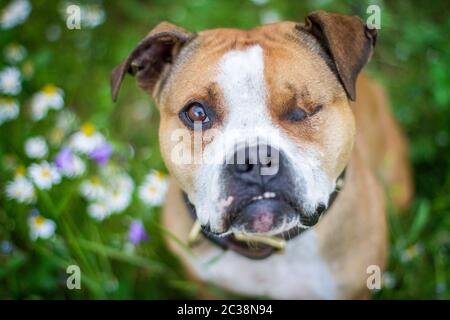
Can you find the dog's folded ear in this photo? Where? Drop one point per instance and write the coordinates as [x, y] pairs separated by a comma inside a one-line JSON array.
[[347, 40], [150, 57]]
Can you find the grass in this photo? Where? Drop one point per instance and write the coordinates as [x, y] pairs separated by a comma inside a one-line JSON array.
[[411, 60]]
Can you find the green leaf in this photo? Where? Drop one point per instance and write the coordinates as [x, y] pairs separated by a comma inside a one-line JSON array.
[[119, 255], [420, 221]]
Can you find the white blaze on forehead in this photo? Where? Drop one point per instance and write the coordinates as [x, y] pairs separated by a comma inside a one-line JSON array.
[[241, 79]]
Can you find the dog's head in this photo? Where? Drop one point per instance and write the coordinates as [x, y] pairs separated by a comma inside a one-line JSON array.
[[255, 125]]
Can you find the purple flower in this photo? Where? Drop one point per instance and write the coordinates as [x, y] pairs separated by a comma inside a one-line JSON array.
[[6, 247], [101, 154], [137, 232], [64, 158]]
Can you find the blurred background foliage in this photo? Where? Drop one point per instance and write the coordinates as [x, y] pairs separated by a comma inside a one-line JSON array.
[[412, 60]]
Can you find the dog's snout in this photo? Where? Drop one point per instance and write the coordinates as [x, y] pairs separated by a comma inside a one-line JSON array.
[[259, 180], [253, 163]]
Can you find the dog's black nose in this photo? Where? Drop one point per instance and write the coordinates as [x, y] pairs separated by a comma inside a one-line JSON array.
[[255, 164]]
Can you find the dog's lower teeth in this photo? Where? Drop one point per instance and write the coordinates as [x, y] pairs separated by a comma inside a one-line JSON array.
[[269, 195], [266, 195]]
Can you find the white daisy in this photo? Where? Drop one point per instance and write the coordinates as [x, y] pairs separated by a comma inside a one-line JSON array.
[[9, 109], [21, 190], [67, 120], [269, 16], [116, 197], [260, 2], [36, 147], [92, 189], [98, 210], [50, 97], [117, 200], [69, 164], [154, 188], [157, 178], [10, 81], [92, 15], [122, 181], [15, 13], [75, 169], [87, 139], [14, 53], [44, 175], [41, 227]]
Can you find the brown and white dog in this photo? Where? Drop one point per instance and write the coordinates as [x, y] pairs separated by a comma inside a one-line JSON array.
[[297, 82]]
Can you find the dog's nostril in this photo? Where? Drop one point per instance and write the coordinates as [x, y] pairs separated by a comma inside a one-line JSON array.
[[254, 162]]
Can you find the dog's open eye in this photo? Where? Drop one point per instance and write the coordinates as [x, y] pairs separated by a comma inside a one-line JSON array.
[[197, 113], [298, 114]]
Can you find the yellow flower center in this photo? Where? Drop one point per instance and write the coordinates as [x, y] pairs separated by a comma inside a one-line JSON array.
[[7, 102], [49, 90], [159, 175], [27, 68], [20, 171], [411, 251], [88, 129], [45, 173], [95, 180], [151, 190], [39, 220]]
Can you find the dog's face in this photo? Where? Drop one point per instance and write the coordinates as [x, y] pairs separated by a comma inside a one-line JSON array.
[[262, 115]]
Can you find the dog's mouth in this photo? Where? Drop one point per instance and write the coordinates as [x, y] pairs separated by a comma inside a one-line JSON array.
[[256, 246], [259, 246], [270, 213], [258, 225], [261, 225]]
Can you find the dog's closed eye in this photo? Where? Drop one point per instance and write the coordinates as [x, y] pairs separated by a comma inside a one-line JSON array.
[[298, 114]]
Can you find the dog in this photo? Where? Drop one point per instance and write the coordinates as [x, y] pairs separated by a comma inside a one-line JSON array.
[[338, 155]]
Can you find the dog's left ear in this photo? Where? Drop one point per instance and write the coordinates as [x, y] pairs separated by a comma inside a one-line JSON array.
[[148, 60], [348, 41]]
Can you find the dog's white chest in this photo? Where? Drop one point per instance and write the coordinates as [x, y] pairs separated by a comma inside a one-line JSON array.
[[298, 273]]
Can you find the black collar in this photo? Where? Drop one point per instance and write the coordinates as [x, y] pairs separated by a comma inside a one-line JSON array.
[[254, 251]]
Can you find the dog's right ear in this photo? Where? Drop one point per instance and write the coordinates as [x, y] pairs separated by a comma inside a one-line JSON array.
[[151, 56]]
